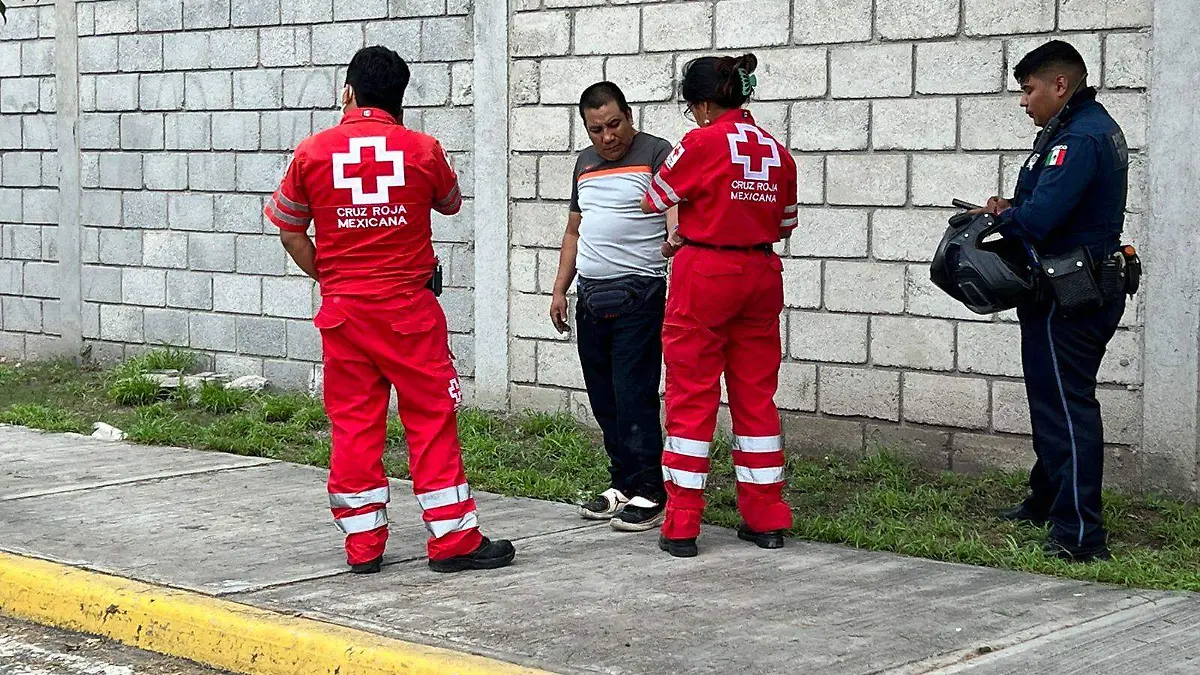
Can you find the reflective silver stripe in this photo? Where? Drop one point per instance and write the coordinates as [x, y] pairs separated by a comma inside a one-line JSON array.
[[684, 446], [295, 206], [444, 497], [759, 476], [758, 443], [685, 479], [364, 523], [357, 500], [667, 189], [790, 209], [790, 222], [450, 198], [659, 204], [290, 220], [441, 528]]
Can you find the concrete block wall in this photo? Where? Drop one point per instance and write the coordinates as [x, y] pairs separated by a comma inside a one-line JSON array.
[[189, 110], [891, 108], [29, 294]]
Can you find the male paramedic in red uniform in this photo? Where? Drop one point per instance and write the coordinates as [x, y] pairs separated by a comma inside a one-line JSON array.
[[736, 190], [368, 184]]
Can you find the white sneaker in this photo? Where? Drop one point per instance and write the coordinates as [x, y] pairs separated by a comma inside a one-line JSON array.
[[639, 515], [604, 506]]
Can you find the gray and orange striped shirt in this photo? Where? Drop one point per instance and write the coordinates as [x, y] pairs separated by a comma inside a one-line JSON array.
[[615, 238]]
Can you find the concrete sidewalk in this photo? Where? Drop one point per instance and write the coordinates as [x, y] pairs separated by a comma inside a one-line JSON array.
[[580, 598]]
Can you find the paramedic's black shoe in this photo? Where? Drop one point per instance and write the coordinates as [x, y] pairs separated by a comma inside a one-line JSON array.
[[1022, 515], [680, 548], [369, 567], [489, 556], [773, 539], [1081, 554]]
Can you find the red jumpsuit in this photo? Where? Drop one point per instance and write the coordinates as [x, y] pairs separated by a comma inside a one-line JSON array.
[[736, 190], [368, 185]]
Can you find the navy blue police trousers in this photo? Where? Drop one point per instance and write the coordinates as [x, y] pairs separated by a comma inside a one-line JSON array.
[[1061, 359]]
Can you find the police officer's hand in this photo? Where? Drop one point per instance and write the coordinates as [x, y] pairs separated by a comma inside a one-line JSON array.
[[997, 205], [558, 313]]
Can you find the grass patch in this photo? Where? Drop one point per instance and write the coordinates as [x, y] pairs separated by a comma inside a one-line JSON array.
[[134, 390], [216, 399], [883, 502], [43, 417], [168, 358]]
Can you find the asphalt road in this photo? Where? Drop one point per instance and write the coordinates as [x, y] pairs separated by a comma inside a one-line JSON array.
[[28, 649]]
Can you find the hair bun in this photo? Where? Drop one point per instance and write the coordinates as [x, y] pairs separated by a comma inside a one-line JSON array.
[[746, 62]]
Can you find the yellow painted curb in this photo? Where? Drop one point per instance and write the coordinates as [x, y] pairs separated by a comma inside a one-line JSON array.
[[216, 632]]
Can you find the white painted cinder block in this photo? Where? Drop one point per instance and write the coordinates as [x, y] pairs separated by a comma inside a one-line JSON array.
[[907, 234], [831, 125], [960, 402], [867, 287], [876, 71], [914, 19], [831, 21], [541, 34], [859, 392], [989, 17], [751, 23], [828, 337], [960, 67], [607, 30], [867, 180], [677, 26], [938, 179], [914, 124], [906, 342]]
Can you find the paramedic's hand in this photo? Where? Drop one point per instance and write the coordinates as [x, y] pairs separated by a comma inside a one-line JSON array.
[[558, 313], [672, 245]]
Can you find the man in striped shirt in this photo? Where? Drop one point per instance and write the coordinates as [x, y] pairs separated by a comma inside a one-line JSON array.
[[615, 250]]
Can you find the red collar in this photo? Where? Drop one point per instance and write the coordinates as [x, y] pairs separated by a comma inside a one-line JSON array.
[[735, 115], [367, 115]]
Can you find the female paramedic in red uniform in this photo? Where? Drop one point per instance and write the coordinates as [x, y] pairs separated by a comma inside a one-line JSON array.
[[736, 190]]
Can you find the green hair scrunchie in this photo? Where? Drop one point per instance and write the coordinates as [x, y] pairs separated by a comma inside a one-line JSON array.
[[749, 81]]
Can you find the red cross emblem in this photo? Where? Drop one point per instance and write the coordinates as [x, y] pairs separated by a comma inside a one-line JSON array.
[[354, 171], [455, 391], [755, 152]]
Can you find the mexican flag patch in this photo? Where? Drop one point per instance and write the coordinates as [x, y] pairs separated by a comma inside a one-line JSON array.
[[1057, 156]]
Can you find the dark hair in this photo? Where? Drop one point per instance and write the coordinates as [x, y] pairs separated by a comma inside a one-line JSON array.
[[379, 77], [718, 79], [601, 94], [1054, 55]]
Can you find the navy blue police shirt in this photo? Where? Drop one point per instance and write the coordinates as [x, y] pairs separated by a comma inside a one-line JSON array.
[[1074, 192]]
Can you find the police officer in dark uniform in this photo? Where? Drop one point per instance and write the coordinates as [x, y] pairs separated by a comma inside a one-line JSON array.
[[1069, 208]]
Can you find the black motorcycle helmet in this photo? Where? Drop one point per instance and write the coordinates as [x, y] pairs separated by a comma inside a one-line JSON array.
[[986, 273]]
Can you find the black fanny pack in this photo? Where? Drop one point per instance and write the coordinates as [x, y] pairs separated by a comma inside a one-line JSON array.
[[614, 298]]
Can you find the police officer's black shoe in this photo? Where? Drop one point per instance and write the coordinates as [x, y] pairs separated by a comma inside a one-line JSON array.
[[489, 556], [680, 548], [772, 539], [1022, 515], [1057, 549], [369, 567]]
